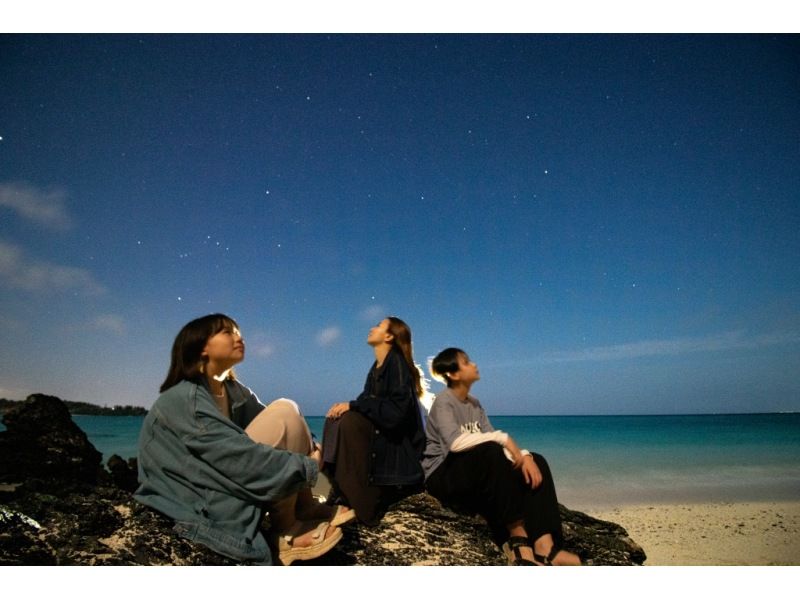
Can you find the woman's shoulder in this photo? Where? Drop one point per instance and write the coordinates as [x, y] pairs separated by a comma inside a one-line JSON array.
[[394, 362], [474, 402], [184, 388], [394, 356], [444, 399], [176, 398]]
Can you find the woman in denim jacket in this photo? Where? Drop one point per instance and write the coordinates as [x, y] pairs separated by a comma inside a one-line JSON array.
[[213, 458], [372, 445]]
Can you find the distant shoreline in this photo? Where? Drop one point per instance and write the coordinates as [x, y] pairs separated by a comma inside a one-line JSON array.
[[81, 408]]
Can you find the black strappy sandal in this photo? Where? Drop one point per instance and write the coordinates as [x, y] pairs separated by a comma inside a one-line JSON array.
[[545, 560], [513, 553], [548, 560]]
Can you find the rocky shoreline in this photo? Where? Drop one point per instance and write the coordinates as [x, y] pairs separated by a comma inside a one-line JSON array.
[[60, 506]]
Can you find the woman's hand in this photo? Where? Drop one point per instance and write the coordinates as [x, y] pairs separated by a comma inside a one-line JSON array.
[[525, 463], [338, 410], [516, 454], [317, 456], [530, 471]]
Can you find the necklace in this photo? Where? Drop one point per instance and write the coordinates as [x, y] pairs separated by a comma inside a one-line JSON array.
[[222, 402]]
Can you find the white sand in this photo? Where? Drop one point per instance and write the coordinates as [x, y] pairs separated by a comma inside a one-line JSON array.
[[709, 533], [751, 533]]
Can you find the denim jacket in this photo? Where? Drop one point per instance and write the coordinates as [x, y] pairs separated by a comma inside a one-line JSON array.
[[200, 468], [390, 402]]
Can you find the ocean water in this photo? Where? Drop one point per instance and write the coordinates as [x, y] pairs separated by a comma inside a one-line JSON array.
[[604, 461]]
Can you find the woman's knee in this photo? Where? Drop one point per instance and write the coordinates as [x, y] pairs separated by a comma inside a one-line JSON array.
[[492, 451], [284, 404], [542, 464], [351, 422], [282, 425]]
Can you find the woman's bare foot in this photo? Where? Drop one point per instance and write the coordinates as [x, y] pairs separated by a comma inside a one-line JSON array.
[[526, 552], [306, 533], [543, 547], [306, 541], [564, 557]]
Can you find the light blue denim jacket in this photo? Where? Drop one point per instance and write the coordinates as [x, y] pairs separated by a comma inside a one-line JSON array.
[[200, 468]]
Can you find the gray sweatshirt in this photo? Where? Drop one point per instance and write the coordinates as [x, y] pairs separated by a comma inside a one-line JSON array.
[[454, 425]]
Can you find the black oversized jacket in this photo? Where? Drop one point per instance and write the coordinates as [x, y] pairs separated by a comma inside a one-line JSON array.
[[389, 401]]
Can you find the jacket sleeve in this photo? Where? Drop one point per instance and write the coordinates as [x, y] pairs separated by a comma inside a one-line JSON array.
[[389, 407], [241, 467]]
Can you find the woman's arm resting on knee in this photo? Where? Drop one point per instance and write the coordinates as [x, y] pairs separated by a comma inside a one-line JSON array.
[[338, 410], [530, 471]]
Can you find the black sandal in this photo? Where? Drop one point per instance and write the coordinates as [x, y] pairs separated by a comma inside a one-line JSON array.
[[513, 553], [545, 560], [548, 560]]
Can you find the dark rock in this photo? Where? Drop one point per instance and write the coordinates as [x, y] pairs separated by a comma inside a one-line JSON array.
[[123, 474], [420, 531], [83, 515], [42, 442]]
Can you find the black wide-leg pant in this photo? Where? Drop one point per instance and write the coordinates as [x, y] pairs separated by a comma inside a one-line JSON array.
[[482, 480], [346, 447]]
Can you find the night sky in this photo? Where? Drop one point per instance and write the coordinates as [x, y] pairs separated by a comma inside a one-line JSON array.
[[607, 224]]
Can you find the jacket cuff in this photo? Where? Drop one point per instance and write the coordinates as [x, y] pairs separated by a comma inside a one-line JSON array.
[[312, 472]]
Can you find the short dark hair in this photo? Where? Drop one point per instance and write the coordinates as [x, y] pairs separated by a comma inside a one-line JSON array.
[[446, 362]]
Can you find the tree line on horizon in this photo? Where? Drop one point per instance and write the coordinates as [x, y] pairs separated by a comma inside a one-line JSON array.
[[81, 408]]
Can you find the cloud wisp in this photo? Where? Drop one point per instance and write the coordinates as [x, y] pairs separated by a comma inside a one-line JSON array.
[[680, 346], [18, 271], [328, 336], [44, 207], [727, 341], [373, 313], [262, 350], [110, 323]]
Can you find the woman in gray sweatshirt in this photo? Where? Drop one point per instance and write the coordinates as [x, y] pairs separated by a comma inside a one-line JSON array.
[[470, 464]]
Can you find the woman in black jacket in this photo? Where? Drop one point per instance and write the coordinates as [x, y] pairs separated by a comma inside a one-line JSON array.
[[372, 446]]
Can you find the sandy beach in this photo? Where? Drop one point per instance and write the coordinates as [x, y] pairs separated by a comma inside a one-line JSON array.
[[722, 533], [747, 533]]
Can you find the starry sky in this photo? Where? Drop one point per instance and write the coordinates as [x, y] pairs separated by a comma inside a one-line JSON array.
[[607, 224]]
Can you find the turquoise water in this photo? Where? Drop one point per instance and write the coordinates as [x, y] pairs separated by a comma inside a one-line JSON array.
[[606, 461]]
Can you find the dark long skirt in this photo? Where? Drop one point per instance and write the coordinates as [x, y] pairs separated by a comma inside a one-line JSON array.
[[482, 480], [345, 451]]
